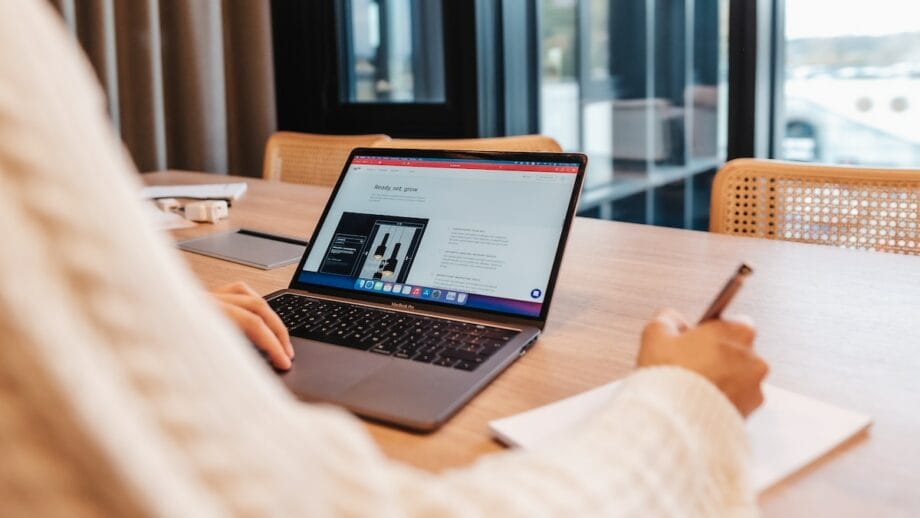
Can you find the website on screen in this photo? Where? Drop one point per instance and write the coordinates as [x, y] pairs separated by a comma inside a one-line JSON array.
[[477, 233]]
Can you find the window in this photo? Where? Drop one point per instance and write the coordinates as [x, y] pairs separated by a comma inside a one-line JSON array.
[[640, 86], [393, 51], [849, 84], [406, 68]]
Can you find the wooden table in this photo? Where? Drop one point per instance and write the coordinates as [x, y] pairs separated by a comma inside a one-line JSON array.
[[838, 325]]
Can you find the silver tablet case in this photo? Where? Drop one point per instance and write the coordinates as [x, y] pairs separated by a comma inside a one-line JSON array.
[[247, 247]]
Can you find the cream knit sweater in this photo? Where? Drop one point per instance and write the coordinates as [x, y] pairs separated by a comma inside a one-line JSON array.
[[123, 392]]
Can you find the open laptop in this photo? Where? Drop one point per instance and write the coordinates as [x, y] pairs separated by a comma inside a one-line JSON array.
[[428, 273]]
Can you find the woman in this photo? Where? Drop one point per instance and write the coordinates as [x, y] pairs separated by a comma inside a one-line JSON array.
[[123, 392]]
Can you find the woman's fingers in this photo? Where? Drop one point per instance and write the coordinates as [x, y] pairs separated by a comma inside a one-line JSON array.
[[257, 330], [667, 322], [260, 307]]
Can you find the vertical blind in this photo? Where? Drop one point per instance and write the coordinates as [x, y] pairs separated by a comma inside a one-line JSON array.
[[190, 84]]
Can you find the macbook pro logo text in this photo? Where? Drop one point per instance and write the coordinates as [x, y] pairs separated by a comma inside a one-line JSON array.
[[400, 305]]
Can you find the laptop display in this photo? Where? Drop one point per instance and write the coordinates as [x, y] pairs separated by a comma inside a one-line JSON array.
[[475, 232]]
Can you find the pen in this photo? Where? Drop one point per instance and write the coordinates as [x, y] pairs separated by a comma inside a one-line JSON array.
[[285, 239], [727, 294]]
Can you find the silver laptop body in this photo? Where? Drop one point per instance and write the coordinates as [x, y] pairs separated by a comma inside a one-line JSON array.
[[404, 233]]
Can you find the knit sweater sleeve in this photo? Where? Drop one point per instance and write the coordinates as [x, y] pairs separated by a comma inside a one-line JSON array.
[[124, 392], [668, 444]]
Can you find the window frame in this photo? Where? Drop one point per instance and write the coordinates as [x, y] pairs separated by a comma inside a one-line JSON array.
[[483, 39], [754, 72]]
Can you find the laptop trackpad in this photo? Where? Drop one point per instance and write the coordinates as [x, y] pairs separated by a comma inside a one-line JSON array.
[[323, 371]]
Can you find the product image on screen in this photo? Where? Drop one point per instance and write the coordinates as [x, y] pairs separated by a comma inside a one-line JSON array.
[[373, 246]]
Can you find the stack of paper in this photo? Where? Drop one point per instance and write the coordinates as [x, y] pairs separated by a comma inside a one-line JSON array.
[[211, 191], [787, 433]]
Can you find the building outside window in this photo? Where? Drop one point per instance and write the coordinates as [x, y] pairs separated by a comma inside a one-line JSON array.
[[849, 83]]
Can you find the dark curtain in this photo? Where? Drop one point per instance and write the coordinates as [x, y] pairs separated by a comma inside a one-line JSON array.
[[190, 83]]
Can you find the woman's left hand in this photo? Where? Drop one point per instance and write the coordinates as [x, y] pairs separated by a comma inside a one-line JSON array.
[[257, 320]]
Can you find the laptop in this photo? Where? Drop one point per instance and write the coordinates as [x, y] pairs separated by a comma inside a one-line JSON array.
[[428, 273]]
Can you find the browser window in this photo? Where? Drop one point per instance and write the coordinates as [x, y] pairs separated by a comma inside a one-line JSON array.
[[477, 233]]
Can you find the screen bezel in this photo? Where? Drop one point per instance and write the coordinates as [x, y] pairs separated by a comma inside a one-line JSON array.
[[438, 307]]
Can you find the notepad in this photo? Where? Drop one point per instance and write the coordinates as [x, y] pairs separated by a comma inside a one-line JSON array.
[[210, 191], [787, 433]]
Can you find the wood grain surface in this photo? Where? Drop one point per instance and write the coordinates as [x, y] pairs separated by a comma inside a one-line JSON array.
[[837, 325]]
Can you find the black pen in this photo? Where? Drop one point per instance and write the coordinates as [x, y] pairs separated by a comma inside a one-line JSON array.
[[727, 294], [275, 237]]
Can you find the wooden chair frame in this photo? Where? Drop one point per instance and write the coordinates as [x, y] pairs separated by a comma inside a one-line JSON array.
[[318, 159], [311, 158], [537, 143], [868, 209]]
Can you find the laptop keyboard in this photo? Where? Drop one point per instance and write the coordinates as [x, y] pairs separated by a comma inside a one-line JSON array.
[[439, 341]]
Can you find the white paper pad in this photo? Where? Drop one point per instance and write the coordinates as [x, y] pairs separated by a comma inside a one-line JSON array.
[[787, 433], [215, 191]]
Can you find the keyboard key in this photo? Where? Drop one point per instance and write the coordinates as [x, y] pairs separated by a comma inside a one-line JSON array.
[[445, 362], [463, 355], [382, 349], [424, 358]]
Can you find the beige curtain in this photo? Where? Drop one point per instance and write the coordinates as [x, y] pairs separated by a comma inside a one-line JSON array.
[[190, 83]]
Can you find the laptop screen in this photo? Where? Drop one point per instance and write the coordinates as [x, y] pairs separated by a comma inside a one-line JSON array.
[[477, 232]]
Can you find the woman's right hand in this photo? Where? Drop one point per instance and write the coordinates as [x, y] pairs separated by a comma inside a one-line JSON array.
[[722, 351]]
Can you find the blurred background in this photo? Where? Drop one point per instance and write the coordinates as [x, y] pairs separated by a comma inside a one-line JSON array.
[[658, 93]]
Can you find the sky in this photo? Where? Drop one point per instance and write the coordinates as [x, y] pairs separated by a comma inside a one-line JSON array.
[[811, 19]]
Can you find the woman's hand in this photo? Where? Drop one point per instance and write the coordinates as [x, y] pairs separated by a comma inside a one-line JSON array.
[[720, 350], [257, 320]]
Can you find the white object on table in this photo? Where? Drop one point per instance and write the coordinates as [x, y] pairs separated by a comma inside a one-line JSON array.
[[787, 433], [211, 191], [211, 211]]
